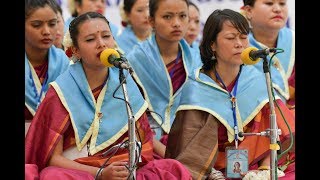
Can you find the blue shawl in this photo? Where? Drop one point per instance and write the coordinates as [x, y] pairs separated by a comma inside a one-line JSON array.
[[282, 63], [127, 40], [152, 75], [58, 63], [203, 93], [104, 120]]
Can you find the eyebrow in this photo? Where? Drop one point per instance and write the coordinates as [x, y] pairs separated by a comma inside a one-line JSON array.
[[93, 34], [38, 20]]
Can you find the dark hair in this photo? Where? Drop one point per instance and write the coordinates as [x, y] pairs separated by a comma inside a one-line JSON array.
[[75, 13], [212, 28], [194, 5], [32, 5], [154, 4], [249, 2], [76, 22], [128, 4]]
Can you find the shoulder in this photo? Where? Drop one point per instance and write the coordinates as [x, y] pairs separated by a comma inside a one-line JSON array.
[[58, 52]]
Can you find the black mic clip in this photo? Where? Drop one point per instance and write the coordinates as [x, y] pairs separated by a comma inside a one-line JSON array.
[[261, 53], [122, 63]]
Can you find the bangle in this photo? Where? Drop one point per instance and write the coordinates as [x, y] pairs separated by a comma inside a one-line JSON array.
[[99, 173], [264, 167]]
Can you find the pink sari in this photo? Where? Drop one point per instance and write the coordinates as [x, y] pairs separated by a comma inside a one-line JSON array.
[[52, 122]]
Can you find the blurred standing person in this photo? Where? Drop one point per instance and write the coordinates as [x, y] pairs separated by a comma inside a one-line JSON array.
[[134, 14], [268, 30], [163, 63], [78, 7], [194, 27]]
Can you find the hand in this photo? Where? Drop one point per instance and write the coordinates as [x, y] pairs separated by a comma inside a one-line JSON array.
[[243, 174], [216, 175], [116, 171], [254, 174]]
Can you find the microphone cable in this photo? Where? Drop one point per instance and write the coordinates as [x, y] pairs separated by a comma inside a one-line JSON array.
[[117, 88], [138, 155], [159, 126], [281, 113], [114, 96], [107, 160], [278, 50]]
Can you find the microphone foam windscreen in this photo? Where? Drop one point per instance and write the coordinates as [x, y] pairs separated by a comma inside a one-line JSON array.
[[245, 56], [105, 54]]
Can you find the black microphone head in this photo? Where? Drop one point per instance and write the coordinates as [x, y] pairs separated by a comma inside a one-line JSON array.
[[245, 56], [107, 54]]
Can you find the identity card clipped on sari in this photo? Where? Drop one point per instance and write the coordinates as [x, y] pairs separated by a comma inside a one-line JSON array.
[[237, 162]]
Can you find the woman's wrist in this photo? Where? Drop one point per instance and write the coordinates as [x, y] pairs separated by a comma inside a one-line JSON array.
[[98, 175]]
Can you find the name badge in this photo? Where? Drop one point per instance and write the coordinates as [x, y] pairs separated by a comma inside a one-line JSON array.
[[237, 162]]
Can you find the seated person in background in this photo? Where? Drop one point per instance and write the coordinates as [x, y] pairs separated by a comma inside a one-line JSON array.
[[194, 27], [78, 7], [134, 14], [60, 30], [43, 61], [162, 63], [268, 30]]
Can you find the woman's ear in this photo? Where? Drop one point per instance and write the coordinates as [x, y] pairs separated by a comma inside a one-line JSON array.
[[213, 47], [151, 22], [75, 52], [247, 12]]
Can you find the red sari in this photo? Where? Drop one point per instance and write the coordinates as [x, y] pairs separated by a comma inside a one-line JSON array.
[[260, 123], [198, 140], [52, 122], [292, 87]]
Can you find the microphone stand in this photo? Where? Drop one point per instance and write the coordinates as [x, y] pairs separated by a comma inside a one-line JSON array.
[[273, 133], [131, 129]]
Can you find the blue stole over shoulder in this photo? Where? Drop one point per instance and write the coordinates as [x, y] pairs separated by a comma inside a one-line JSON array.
[[104, 120], [203, 93], [127, 39], [283, 63], [152, 75], [58, 63], [195, 46]]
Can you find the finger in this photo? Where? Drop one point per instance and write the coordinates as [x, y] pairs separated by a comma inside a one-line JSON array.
[[119, 163], [122, 174], [243, 174], [119, 168]]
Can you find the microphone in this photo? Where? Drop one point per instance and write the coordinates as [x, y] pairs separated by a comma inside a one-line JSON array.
[[111, 57], [251, 55]]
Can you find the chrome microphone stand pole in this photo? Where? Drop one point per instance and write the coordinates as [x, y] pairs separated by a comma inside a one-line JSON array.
[[273, 133], [131, 129]]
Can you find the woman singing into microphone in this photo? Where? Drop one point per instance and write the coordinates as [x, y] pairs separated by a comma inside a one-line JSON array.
[[221, 99], [79, 119]]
